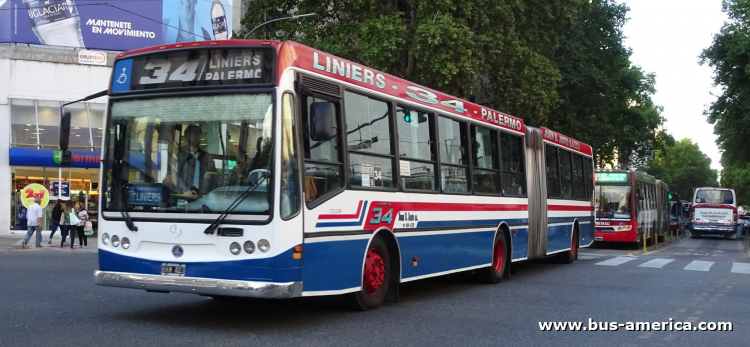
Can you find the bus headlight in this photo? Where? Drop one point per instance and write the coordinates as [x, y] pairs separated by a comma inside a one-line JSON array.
[[623, 228], [249, 247], [235, 248], [264, 245], [105, 239], [115, 241], [125, 243]]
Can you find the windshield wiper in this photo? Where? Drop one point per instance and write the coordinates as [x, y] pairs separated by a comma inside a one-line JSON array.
[[119, 153], [215, 224]]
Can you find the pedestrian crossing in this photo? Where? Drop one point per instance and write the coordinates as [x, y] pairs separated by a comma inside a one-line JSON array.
[[659, 263]]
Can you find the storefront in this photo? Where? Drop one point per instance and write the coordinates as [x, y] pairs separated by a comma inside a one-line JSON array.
[[30, 105]]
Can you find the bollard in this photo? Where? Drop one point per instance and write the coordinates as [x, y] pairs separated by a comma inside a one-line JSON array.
[[644, 242]]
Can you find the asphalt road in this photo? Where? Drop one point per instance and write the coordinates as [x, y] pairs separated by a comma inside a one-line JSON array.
[[47, 299]]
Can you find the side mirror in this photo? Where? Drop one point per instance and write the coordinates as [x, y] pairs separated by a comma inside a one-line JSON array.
[[64, 131], [321, 119], [121, 131]]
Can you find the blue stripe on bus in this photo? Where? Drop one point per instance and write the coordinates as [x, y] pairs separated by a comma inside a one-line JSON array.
[[520, 241], [345, 224], [333, 265], [557, 239], [281, 268]]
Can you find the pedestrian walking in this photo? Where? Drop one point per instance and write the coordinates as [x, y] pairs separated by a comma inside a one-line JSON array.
[[56, 214], [83, 216], [65, 224], [34, 216]]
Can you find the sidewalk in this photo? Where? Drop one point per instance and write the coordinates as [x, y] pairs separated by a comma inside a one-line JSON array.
[[14, 242]]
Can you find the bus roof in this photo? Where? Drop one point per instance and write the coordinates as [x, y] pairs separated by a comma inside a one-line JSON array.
[[293, 54]]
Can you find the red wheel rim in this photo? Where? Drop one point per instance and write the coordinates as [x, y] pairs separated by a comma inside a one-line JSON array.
[[374, 272], [497, 262]]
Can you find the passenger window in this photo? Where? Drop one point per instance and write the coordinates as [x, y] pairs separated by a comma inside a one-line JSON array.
[[290, 187], [453, 157], [513, 164], [580, 186], [553, 176], [416, 149], [589, 177], [368, 136], [484, 160], [323, 166], [566, 173]]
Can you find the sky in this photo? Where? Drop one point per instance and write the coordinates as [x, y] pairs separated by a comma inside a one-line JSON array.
[[666, 38]]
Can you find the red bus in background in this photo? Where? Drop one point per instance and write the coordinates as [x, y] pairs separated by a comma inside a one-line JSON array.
[[626, 206]]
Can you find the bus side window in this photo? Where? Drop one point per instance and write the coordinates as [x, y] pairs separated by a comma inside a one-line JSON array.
[[566, 172], [485, 160], [416, 148], [368, 140], [514, 165], [553, 176], [580, 190], [290, 200], [453, 138], [323, 166]]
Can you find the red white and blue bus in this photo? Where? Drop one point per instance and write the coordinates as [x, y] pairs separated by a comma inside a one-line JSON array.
[[714, 213], [272, 170], [627, 207]]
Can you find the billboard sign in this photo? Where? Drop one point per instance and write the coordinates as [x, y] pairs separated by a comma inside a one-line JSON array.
[[117, 25]]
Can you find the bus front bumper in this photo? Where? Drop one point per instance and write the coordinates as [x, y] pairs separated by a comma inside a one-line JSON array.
[[194, 285]]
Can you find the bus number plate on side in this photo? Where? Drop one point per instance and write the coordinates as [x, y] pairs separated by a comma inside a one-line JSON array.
[[169, 269]]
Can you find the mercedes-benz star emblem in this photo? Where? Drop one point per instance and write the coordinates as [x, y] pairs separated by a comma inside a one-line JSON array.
[[175, 230], [177, 251]]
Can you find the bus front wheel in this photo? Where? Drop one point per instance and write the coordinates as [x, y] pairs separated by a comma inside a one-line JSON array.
[[375, 277]]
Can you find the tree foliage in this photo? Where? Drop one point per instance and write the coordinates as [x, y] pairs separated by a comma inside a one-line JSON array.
[[729, 56], [559, 63], [683, 167]]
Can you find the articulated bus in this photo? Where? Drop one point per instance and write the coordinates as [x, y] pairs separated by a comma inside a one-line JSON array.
[[630, 206], [714, 213], [272, 170]]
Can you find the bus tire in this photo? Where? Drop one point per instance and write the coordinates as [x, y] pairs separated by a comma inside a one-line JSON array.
[[494, 273], [570, 256], [376, 277]]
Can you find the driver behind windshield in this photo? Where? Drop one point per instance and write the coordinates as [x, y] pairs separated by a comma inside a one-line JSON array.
[[195, 167]]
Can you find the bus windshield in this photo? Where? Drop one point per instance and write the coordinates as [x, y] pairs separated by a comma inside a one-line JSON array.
[[193, 154], [613, 202], [714, 196]]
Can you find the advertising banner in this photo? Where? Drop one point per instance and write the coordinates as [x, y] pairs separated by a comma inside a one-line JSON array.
[[117, 25], [54, 185], [33, 191]]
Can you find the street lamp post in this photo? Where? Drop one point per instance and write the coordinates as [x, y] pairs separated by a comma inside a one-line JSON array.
[[294, 17]]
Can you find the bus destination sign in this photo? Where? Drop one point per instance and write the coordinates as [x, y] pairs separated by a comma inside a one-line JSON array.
[[611, 176], [194, 68]]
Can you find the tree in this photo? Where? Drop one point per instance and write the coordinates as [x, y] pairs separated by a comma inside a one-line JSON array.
[[729, 56], [683, 166], [560, 63]]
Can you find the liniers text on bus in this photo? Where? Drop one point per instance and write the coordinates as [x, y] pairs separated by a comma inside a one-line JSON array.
[[631, 206], [272, 170]]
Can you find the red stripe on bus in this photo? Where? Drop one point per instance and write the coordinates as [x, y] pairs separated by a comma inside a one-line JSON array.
[[568, 208], [437, 206]]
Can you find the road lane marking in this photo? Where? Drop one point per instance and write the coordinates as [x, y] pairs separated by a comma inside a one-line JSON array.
[[615, 261], [741, 268], [656, 263], [699, 265]]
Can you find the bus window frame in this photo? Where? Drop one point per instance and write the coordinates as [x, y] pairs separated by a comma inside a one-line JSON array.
[[432, 123], [521, 165], [464, 124], [343, 159], [392, 133]]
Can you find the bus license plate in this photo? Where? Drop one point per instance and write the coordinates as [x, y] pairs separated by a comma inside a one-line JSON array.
[[168, 269], [598, 238]]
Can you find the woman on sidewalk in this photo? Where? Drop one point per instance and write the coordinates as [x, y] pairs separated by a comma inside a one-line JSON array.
[[65, 226], [83, 216], [56, 214]]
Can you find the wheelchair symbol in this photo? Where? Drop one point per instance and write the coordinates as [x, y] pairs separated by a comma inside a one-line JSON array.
[[123, 77]]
